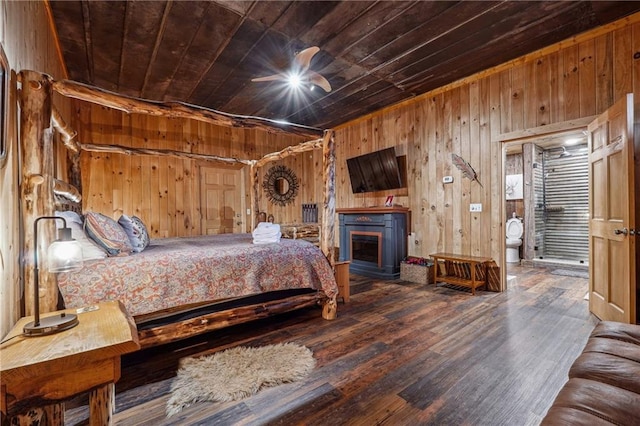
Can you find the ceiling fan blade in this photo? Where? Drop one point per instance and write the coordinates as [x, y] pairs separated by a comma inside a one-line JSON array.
[[319, 81], [304, 58], [270, 78]]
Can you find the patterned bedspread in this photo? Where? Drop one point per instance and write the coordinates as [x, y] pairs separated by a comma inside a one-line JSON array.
[[177, 271]]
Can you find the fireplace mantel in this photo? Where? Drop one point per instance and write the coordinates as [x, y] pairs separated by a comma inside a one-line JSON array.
[[383, 209], [374, 240]]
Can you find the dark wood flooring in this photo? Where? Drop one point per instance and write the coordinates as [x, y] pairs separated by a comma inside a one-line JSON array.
[[398, 354]]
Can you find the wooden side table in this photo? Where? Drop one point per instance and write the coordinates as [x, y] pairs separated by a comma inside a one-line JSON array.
[[44, 371]]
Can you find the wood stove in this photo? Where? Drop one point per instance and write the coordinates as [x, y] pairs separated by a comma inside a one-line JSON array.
[[374, 240]]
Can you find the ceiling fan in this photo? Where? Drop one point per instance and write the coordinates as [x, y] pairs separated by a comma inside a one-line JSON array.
[[300, 73]]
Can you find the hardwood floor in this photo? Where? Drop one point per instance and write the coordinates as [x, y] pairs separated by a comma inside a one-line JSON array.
[[399, 353]]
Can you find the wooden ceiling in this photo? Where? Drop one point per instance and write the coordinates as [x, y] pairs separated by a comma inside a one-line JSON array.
[[373, 53]]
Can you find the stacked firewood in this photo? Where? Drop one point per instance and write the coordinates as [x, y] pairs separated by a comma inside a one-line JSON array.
[[306, 232]]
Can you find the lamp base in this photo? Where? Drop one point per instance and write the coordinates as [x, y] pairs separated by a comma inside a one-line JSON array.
[[51, 325]]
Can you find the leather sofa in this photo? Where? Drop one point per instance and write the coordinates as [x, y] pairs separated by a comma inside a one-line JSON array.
[[604, 381]]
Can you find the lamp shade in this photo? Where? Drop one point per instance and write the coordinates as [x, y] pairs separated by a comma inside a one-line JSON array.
[[64, 254]]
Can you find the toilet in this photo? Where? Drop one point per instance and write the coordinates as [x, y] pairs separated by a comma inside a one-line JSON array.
[[514, 239]]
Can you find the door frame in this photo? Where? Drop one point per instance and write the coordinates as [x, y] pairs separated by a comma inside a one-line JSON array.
[[520, 137]]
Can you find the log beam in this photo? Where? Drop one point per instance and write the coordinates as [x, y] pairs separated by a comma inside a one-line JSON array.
[[119, 149], [68, 134], [290, 150], [130, 105], [174, 331]]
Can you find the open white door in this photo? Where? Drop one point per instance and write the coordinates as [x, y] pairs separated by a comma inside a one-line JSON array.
[[612, 227]]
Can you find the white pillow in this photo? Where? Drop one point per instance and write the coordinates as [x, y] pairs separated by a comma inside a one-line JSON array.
[[69, 216], [90, 250]]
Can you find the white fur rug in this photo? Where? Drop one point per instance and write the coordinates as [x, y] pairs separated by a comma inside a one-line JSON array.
[[237, 373]]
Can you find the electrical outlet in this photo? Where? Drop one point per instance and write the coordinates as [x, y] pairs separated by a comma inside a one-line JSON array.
[[248, 212], [447, 179], [475, 207]]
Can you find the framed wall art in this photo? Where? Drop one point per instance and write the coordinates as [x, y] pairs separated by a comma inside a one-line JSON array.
[[5, 75]]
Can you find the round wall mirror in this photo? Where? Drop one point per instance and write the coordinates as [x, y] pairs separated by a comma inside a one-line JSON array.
[[281, 185]]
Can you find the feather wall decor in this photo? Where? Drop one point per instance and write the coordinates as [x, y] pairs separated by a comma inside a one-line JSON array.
[[465, 168]]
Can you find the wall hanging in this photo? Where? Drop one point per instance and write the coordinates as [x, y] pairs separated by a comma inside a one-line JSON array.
[[281, 185], [465, 168], [514, 187]]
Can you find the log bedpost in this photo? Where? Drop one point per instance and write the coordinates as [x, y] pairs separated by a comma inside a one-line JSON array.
[[36, 182], [255, 194], [327, 237]]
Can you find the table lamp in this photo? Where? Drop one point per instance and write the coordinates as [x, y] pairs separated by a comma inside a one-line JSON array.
[[63, 255]]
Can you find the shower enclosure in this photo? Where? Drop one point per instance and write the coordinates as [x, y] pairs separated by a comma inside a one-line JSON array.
[[561, 197]]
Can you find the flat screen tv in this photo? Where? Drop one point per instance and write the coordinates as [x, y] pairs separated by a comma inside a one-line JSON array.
[[375, 171]]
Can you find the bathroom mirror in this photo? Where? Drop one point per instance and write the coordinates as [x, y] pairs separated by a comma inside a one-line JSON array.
[[281, 185]]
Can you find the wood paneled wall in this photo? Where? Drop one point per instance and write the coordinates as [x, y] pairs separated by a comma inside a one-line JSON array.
[[574, 79], [164, 191], [28, 42]]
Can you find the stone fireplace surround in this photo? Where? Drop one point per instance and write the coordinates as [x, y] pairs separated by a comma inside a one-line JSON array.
[[374, 240]]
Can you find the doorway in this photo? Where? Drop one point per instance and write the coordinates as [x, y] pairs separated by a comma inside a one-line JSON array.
[[552, 202]]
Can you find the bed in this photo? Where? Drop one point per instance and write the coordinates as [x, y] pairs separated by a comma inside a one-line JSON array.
[[169, 287], [180, 271], [191, 273]]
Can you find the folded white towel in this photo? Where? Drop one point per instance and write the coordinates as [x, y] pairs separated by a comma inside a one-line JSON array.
[[266, 229], [267, 240], [266, 233]]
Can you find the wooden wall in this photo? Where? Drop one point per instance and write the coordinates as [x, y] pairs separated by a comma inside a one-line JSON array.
[[164, 191], [577, 78], [573, 79], [28, 42]]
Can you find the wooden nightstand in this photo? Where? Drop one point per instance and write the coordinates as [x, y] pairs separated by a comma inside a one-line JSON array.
[[44, 371]]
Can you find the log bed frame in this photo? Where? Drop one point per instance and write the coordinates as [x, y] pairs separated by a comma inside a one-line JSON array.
[[39, 189]]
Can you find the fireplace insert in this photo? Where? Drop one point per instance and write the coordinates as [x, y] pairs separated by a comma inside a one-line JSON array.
[[374, 240]]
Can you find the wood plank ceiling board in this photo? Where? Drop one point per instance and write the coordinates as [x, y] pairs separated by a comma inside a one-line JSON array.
[[174, 40], [106, 34], [72, 38], [143, 24], [373, 53]]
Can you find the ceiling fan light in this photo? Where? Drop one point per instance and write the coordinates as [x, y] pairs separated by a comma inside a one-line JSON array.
[[294, 80]]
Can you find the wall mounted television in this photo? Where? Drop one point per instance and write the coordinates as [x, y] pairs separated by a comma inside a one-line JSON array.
[[376, 171]]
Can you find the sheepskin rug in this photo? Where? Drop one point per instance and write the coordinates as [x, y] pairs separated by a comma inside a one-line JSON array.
[[237, 373]]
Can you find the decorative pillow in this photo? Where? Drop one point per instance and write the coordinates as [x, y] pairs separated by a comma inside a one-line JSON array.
[[90, 250], [136, 231], [107, 234]]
